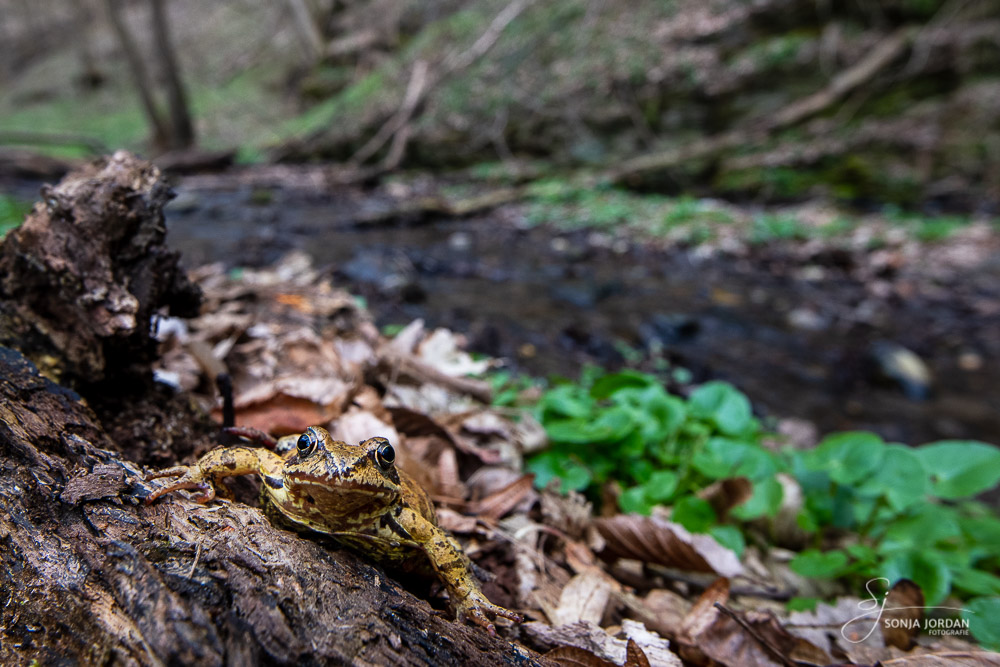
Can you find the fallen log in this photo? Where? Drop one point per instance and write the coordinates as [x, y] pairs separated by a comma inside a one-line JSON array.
[[93, 575]]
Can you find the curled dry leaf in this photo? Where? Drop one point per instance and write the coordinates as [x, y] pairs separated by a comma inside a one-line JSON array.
[[902, 614], [710, 634], [442, 351], [584, 598], [358, 425], [654, 540], [502, 501], [726, 494], [571, 513], [595, 640], [571, 656]]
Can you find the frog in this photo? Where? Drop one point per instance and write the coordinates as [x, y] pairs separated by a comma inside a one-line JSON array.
[[353, 493]]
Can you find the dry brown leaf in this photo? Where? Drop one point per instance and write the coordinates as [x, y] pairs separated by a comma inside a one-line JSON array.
[[358, 425], [449, 484], [571, 513], [650, 645], [709, 633], [571, 656], [726, 494], [457, 523], [902, 614], [654, 540], [591, 638], [499, 503], [584, 598], [635, 656], [282, 415], [442, 351]]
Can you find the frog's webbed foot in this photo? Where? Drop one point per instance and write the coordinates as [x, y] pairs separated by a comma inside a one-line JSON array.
[[188, 477], [475, 607]]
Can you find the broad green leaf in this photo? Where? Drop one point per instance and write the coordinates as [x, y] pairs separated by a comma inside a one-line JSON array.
[[723, 405], [924, 568], [566, 400], [983, 616], [817, 564], [729, 537], [609, 384], [976, 582], [576, 477], [765, 501], [901, 477], [802, 604], [720, 458], [983, 531], [545, 467], [611, 425], [634, 501], [927, 526], [694, 514], [961, 468], [660, 486], [848, 457]]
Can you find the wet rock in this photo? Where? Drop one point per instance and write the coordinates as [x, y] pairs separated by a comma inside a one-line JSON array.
[[664, 329], [897, 364], [807, 319]]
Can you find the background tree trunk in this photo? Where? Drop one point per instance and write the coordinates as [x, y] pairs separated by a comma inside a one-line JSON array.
[[181, 127], [140, 76]]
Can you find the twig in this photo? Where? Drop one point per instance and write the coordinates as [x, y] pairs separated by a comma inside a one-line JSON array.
[[773, 650], [422, 81], [194, 564], [414, 93]]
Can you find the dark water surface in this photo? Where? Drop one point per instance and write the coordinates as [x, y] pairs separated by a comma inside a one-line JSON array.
[[550, 301]]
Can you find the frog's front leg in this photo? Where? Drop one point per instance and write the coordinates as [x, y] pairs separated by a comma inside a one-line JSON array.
[[212, 467], [454, 569]]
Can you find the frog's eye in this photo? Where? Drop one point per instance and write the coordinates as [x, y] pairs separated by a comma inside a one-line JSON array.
[[306, 443], [385, 455]]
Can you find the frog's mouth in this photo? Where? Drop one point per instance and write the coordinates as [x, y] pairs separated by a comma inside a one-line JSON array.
[[332, 495]]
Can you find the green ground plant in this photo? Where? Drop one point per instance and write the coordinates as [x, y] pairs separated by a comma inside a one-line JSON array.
[[874, 509], [12, 213]]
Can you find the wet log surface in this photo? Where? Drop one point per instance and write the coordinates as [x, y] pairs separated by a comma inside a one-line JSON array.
[[90, 573]]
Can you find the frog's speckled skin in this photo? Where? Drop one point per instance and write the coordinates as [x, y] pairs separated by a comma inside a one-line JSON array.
[[353, 493]]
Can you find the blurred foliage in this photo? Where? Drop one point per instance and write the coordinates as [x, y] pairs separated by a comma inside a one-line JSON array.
[[12, 213], [874, 509]]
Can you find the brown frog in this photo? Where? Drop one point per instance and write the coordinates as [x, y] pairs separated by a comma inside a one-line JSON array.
[[353, 493]]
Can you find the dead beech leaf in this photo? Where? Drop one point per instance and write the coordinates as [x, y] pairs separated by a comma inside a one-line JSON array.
[[726, 494], [358, 425], [635, 656], [454, 522], [282, 415], [571, 656], [650, 645], [499, 503], [584, 598], [655, 540], [709, 633], [442, 351], [593, 639], [902, 614]]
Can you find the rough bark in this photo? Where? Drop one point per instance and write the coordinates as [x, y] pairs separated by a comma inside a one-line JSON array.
[[91, 574]]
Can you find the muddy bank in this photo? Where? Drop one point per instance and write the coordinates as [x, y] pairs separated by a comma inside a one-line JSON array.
[[794, 329]]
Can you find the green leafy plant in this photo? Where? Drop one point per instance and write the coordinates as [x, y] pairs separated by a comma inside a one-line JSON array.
[[876, 509], [12, 213]]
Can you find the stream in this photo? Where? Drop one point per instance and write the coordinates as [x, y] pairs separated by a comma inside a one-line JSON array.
[[549, 301]]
